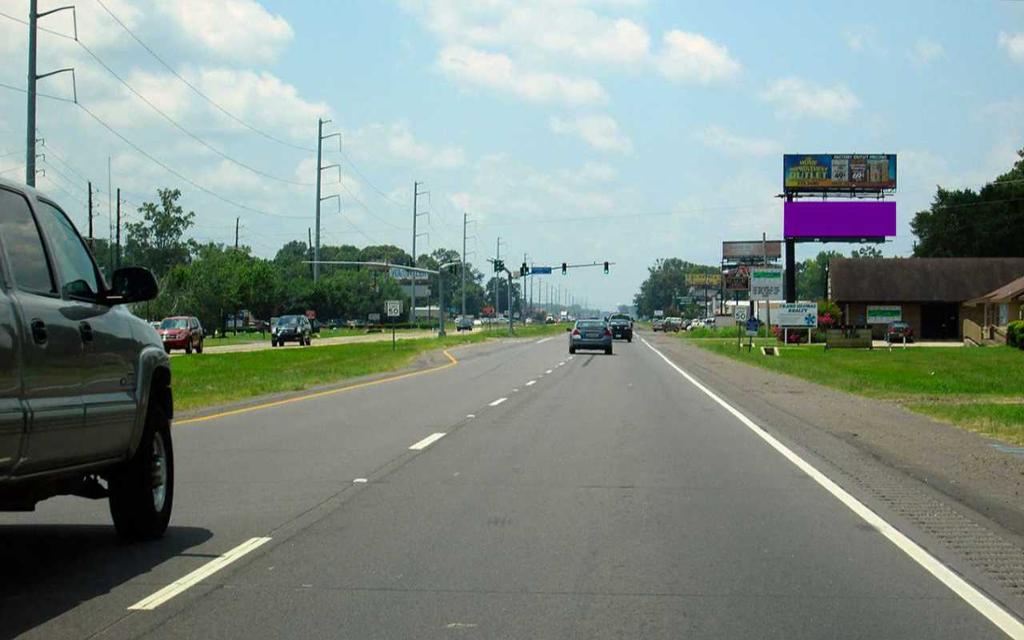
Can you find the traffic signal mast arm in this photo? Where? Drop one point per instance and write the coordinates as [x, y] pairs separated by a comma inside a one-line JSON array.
[[583, 265]]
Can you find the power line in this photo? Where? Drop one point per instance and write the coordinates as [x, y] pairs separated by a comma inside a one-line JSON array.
[[195, 89]]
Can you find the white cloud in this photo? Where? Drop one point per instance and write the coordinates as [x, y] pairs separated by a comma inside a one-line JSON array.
[[926, 51], [692, 57], [1013, 44], [600, 132], [499, 72], [721, 139], [797, 98], [231, 29], [396, 143]]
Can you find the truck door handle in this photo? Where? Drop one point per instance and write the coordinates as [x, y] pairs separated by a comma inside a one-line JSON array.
[[86, 330], [38, 331]]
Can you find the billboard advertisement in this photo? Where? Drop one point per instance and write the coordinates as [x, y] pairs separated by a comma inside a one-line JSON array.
[[738, 279], [766, 283], [703, 279], [798, 314], [752, 250], [839, 219], [838, 172]]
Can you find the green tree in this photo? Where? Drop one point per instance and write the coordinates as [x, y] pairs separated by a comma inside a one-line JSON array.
[[962, 222], [666, 280], [158, 240], [810, 275], [869, 251]]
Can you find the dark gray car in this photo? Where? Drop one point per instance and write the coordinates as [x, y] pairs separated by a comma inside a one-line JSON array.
[[590, 334], [291, 329], [85, 386]]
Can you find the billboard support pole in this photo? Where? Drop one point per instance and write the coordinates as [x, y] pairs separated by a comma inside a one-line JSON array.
[[790, 263]]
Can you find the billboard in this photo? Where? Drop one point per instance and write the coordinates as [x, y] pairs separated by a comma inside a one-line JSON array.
[[703, 279], [766, 283], [752, 250], [738, 279], [838, 172], [798, 314], [401, 273], [839, 219]]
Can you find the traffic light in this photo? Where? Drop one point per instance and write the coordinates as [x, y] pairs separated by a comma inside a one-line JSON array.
[[524, 270], [606, 267], [499, 266], [565, 268]]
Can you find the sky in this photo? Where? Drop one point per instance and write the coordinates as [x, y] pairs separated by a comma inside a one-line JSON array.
[[574, 130]]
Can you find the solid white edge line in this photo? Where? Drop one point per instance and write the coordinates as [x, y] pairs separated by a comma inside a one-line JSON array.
[[497, 402], [998, 616], [543, 340], [531, 383], [213, 566], [426, 442]]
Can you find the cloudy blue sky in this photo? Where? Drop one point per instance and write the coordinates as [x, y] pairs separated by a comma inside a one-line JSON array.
[[621, 130]]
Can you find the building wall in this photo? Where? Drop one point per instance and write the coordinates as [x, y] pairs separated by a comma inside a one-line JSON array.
[[856, 313]]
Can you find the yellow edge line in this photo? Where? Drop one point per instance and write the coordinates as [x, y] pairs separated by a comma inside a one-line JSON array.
[[319, 394]]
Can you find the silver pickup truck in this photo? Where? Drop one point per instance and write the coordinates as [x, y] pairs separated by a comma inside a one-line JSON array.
[[85, 386]]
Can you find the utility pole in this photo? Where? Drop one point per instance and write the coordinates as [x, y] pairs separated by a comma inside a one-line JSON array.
[[416, 193], [33, 76], [90, 215], [117, 255], [309, 244], [236, 233], [465, 221], [497, 280], [320, 137]]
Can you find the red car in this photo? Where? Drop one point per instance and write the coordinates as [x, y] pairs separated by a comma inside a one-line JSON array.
[[182, 332], [898, 332]]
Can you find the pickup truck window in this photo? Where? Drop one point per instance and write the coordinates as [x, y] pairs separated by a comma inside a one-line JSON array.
[[73, 260], [20, 239]]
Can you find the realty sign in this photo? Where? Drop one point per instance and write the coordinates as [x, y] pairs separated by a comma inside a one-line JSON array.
[[884, 314], [798, 314], [765, 283]]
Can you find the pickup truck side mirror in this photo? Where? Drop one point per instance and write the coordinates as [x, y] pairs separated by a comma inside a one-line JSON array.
[[132, 284]]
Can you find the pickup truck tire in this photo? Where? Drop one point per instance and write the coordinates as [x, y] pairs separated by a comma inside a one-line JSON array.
[[199, 349], [188, 347], [139, 508]]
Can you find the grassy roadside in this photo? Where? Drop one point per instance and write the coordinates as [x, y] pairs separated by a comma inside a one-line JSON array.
[[231, 377], [978, 389]]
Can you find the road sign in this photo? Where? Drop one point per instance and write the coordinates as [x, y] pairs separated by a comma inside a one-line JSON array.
[[541, 270], [741, 314], [659, 313], [752, 326], [393, 308], [401, 273], [765, 283], [374, 317], [798, 314]]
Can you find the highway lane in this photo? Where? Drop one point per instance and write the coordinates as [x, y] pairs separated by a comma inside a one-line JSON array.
[[610, 498]]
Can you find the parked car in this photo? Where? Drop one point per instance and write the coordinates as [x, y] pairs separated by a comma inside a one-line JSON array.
[[898, 331], [673, 324], [85, 385], [291, 329], [658, 324], [182, 332], [464, 323], [621, 328], [591, 334]]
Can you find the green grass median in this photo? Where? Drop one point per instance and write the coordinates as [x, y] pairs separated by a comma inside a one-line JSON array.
[[979, 389]]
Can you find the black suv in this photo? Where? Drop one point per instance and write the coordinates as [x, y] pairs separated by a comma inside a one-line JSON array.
[[622, 327], [85, 386], [291, 329]]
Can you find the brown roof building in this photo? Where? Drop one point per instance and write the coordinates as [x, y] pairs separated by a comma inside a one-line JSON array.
[[930, 292]]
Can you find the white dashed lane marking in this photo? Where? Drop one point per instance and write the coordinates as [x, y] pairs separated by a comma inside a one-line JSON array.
[[498, 401], [426, 442]]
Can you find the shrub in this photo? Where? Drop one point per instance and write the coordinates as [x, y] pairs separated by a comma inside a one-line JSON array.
[[1015, 334]]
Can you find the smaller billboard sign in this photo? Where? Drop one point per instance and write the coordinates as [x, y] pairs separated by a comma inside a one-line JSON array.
[[851, 219], [703, 279], [752, 250], [798, 314], [738, 279], [766, 283], [884, 314], [822, 172]]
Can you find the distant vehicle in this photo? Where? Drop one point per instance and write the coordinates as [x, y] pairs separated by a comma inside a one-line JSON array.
[[357, 323], [622, 316], [464, 323], [478, 322], [86, 385], [335, 323], [621, 328], [550, 320], [591, 334], [291, 329], [673, 324], [182, 332], [314, 326], [898, 331], [658, 324]]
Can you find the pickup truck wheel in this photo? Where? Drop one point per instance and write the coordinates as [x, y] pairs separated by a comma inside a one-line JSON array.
[[188, 347], [142, 491], [199, 348]]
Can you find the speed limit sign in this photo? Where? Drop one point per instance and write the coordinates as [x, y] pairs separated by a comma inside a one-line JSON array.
[[393, 308]]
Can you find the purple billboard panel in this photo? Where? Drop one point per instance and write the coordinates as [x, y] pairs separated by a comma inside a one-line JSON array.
[[846, 219]]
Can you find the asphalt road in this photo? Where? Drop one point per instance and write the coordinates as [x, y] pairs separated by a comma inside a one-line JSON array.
[[569, 497]]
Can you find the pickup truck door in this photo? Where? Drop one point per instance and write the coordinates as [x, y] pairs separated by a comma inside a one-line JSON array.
[[12, 411], [51, 349], [108, 348]]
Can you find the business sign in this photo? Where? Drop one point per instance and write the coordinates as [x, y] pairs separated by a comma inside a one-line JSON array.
[[738, 279], [798, 314], [375, 317], [850, 219], [765, 283], [685, 300], [884, 314], [659, 313], [541, 270], [752, 250], [741, 314], [401, 273], [703, 279], [753, 324], [393, 308], [839, 172]]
